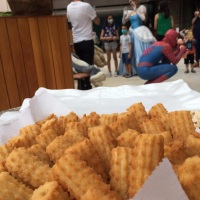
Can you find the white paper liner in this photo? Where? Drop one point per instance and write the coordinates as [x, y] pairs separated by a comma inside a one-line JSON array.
[[163, 184]]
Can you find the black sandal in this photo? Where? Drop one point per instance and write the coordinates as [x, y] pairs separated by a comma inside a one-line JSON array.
[[187, 71], [193, 71]]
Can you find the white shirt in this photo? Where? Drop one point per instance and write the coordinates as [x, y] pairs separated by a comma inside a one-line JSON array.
[[125, 41], [81, 14]]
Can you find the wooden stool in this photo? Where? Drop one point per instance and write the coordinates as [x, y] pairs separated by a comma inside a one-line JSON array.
[[83, 81]]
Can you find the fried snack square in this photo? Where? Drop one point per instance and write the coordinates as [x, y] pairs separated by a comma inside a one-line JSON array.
[[175, 151], [54, 124], [103, 142], [126, 139], [192, 144], [148, 152], [91, 120], [157, 111], [40, 152], [41, 122], [106, 119], [71, 117], [76, 176], [86, 151], [152, 125], [45, 138], [167, 136], [13, 189], [189, 176], [50, 191], [57, 147], [181, 124], [77, 126], [139, 111], [98, 195], [121, 159], [28, 168]]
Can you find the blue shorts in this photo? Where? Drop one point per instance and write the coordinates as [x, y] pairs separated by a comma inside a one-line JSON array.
[[125, 58]]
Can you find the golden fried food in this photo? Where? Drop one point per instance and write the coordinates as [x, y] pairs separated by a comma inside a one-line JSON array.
[[175, 151], [152, 125], [46, 137], [181, 124], [103, 142], [130, 119], [91, 120], [106, 119], [76, 176], [26, 137], [54, 124], [41, 122], [139, 111], [86, 151], [13, 189], [57, 147], [40, 152], [98, 195], [50, 191], [157, 111], [126, 139], [28, 168], [71, 117], [192, 144], [77, 126], [4, 152], [167, 136], [148, 152], [189, 176], [120, 170]]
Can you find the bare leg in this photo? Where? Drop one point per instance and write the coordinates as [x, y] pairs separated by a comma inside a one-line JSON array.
[[115, 59], [108, 53], [187, 70]]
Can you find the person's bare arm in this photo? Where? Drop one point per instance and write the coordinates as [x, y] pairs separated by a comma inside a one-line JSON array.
[[96, 20], [172, 22], [156, 22]]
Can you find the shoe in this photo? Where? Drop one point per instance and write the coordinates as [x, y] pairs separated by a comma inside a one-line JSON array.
[[193, 71], [124, 75], [115, 74], [128, 76], [187, 71], [109, 74], [100, 76]]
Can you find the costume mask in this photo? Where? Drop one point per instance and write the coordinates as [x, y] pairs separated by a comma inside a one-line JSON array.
[[171, 37]]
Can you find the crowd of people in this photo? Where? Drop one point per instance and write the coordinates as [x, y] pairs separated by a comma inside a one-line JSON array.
[[152, 56]]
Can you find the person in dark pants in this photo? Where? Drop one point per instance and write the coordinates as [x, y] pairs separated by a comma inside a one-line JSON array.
[[81, 15]]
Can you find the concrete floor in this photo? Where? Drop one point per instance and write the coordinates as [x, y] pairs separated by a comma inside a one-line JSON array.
[[192, 79]]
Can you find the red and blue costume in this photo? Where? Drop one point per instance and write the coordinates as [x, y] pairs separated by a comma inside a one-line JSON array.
[[158, 62]]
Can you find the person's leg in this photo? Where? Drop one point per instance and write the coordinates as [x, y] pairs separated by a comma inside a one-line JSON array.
[[186, 62], [85, 51], [114, 51], [108, 53], [192, 63], [158, 73]]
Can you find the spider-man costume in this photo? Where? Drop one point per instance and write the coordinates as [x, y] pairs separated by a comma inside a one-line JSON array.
[[158, 62]]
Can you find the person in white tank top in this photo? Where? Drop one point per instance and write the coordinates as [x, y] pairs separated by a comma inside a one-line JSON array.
[[81, 15]]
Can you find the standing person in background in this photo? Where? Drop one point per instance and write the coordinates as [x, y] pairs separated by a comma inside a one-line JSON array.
[[109, 35], [163, 21], [141, 36], [81, 15], [189, 42], [125, 51], [196, 33]]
